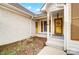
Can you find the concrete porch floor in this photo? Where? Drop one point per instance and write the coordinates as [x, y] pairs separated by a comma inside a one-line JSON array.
[[56, 41], [47, 50]]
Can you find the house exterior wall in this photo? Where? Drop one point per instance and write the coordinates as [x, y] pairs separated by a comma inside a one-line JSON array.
[[53, 9], [61, 15], [14, 27], [73, 45], [69, 44], [32, 27], [54, 16]]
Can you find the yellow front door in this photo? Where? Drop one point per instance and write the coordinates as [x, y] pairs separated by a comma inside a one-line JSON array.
[[36, 27], [58, 26]]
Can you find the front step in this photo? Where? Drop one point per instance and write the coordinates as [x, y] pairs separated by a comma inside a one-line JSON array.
[[47, 50], [54, 46], [54, 42]]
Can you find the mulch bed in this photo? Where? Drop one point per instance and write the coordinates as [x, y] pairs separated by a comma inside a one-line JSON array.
[[30, 46]]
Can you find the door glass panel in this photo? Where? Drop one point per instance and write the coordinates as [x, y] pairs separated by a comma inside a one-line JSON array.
[[58, 29], [36, 27], [45, 26]]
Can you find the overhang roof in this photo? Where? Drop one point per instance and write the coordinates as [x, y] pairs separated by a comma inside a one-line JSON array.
[[21, 8], [26, 10]]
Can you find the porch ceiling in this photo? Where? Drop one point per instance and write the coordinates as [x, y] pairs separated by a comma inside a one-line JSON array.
[[61, 12]]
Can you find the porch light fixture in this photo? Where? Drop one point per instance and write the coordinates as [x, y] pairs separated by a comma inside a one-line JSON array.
[[57, 15]]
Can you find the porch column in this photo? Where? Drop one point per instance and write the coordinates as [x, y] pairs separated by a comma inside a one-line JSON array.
[[51, 25], [48, 14], [67, 25]]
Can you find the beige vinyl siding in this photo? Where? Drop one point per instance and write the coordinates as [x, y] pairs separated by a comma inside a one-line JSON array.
[[14, 27]]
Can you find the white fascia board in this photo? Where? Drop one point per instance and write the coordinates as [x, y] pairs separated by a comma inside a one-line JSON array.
[[57, 9], [40, 17]]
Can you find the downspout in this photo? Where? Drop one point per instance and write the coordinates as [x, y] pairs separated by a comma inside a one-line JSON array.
[[31, 26]]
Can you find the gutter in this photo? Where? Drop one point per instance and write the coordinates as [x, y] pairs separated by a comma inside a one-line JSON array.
[[14, 9]]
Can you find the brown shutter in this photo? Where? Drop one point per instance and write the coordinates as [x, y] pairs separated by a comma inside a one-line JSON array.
[[75, 22]]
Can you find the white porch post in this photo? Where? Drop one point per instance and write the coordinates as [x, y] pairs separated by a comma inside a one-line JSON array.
[[48, 14], [67, 25], [51, 25]]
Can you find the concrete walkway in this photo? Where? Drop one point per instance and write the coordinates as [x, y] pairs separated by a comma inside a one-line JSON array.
[[48, 50], [55, 46]]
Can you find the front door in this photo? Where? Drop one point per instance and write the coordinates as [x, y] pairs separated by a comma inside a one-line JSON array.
[[58, 26]]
